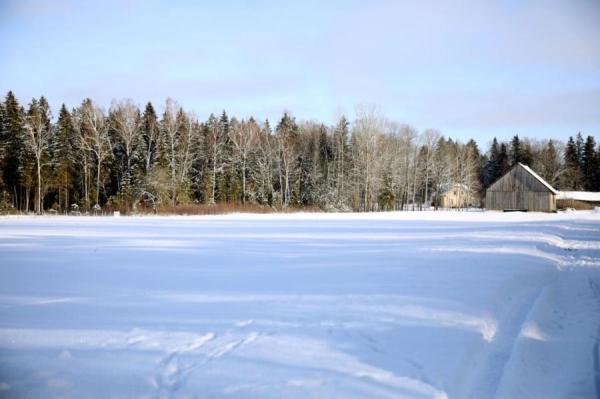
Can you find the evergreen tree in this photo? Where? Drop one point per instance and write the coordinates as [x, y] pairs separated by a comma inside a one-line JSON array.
[[325, 157], [303, 193], [45, 112], [503, 161], [520, 152], [515, 150], [3, 192], [287, 137], [64, 155], [491, 170], [387, 197], [14, 147], [571, 156], [342, 157], [150, 139], [579, 147], [228, 184], [213, 143], [572, 178], [589, 165]]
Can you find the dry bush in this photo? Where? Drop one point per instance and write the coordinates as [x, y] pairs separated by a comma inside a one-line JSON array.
[[224, 208]]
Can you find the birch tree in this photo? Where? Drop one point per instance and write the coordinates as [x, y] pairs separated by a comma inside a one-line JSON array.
[[244, 136], [430, 139], [95, 137], [287, 136], [126, 123], [170, 127], [366, 132], [214, 140], [341, 155], [264, 160], [187, 148], [39, 133]]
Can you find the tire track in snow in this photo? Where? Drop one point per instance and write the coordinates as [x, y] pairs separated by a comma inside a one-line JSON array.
[[489, 363], [497, 355], [596, 351], [174, 371], [513, 342], [549, 242], [596, 355]]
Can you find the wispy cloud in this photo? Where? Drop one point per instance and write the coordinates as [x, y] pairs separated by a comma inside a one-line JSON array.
[[462, 67]]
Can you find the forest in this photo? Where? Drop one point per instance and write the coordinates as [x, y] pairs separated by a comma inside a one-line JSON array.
[[134, 160]]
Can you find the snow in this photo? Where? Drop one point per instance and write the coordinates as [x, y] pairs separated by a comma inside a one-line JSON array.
[[383, 305], [580, 195]]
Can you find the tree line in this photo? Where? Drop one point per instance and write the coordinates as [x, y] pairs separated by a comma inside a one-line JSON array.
[[132, 159]]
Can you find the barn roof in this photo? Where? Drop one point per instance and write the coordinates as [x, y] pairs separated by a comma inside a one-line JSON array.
[[544, 182]]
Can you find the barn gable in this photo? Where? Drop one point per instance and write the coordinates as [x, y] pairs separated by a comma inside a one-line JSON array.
[[521, 178], [521, 189]]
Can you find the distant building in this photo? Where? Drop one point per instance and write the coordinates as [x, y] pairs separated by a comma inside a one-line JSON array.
[[455, 195], [521, 189], [580, 200]]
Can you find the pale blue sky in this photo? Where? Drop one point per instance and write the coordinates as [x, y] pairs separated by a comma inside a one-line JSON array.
[[468, 68]]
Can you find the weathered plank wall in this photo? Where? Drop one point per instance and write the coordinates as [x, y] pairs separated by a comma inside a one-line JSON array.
[[456, 198], [576, 204], [518, 189]]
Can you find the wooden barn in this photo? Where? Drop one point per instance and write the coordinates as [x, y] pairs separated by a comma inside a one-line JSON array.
[[521, 189]]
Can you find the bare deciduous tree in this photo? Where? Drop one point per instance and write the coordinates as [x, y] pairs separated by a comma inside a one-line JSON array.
[[37, 140], [170, 128], [244, 136], [215, 136], [95, 137], [367, 131], [126, 122]]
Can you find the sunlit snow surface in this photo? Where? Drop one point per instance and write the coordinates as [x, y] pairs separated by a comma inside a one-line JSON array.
[[416, 305]]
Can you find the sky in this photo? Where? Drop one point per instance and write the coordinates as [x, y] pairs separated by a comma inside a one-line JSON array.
[[471, 69]]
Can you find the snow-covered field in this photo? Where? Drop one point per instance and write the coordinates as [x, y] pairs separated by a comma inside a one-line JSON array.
[[423, 305]]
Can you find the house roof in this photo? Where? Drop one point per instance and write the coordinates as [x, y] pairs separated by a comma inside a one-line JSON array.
[[544, 182], [579, 195], [447, 187]]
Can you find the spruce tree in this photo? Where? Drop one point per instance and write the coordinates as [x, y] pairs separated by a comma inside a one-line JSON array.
[[3, 192], [571, 157], [342, 157], [589, 165], [520, 152], [287, 134], [150, 138], [213, 142], [226, 183], [14, 147], [325, 153], [579, 147], [64, 159], [491, 170], [572, 178], [503, 161]]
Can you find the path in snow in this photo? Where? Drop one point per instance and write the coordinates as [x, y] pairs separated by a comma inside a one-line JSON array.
[[319, 306]]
